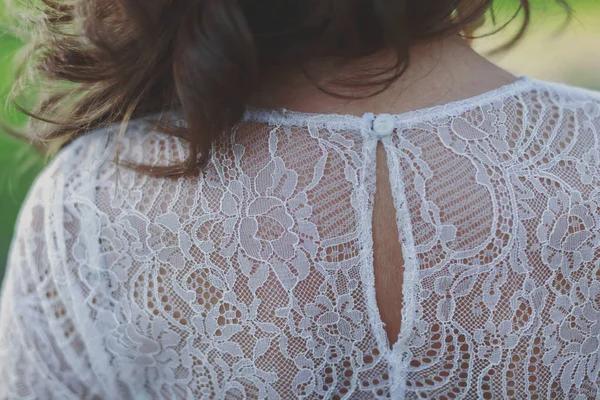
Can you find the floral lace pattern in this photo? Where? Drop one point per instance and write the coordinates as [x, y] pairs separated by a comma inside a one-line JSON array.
[[254, 279]]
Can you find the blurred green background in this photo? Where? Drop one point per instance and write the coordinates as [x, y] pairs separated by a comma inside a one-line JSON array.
[[570, 55]]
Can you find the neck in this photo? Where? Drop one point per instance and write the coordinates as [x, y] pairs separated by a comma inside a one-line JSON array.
[[439, 72]]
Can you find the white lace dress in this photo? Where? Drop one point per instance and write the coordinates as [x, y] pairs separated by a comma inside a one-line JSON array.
[[255, 278]]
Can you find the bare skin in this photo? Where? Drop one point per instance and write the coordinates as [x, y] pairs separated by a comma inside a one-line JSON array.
[[440, 72]]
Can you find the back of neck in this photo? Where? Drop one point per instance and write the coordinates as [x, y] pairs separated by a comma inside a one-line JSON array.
[[439, 72]]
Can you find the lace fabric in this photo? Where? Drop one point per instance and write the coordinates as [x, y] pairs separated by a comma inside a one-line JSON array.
[[254, 279]]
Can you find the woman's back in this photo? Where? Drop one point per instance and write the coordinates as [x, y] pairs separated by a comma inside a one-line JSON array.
[[260, 277]]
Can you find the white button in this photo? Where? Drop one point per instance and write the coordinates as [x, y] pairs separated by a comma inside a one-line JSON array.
[[384, 125]]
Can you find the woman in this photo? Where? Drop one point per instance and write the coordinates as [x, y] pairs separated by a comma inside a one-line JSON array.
[[422, 225]]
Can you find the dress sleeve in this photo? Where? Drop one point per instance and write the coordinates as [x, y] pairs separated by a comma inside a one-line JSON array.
[[42, 354]]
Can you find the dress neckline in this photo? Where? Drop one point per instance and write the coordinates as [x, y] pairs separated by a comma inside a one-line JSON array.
[[347, 121]]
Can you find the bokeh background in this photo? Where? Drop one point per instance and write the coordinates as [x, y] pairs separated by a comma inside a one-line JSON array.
[[549, 51]]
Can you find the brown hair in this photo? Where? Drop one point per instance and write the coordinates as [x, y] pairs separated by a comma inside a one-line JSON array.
[[108, 61]]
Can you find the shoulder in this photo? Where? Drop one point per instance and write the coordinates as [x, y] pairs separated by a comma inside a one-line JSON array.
[[567, 96], [82, 194], [88, 166], [93, 160], [573, 91]]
